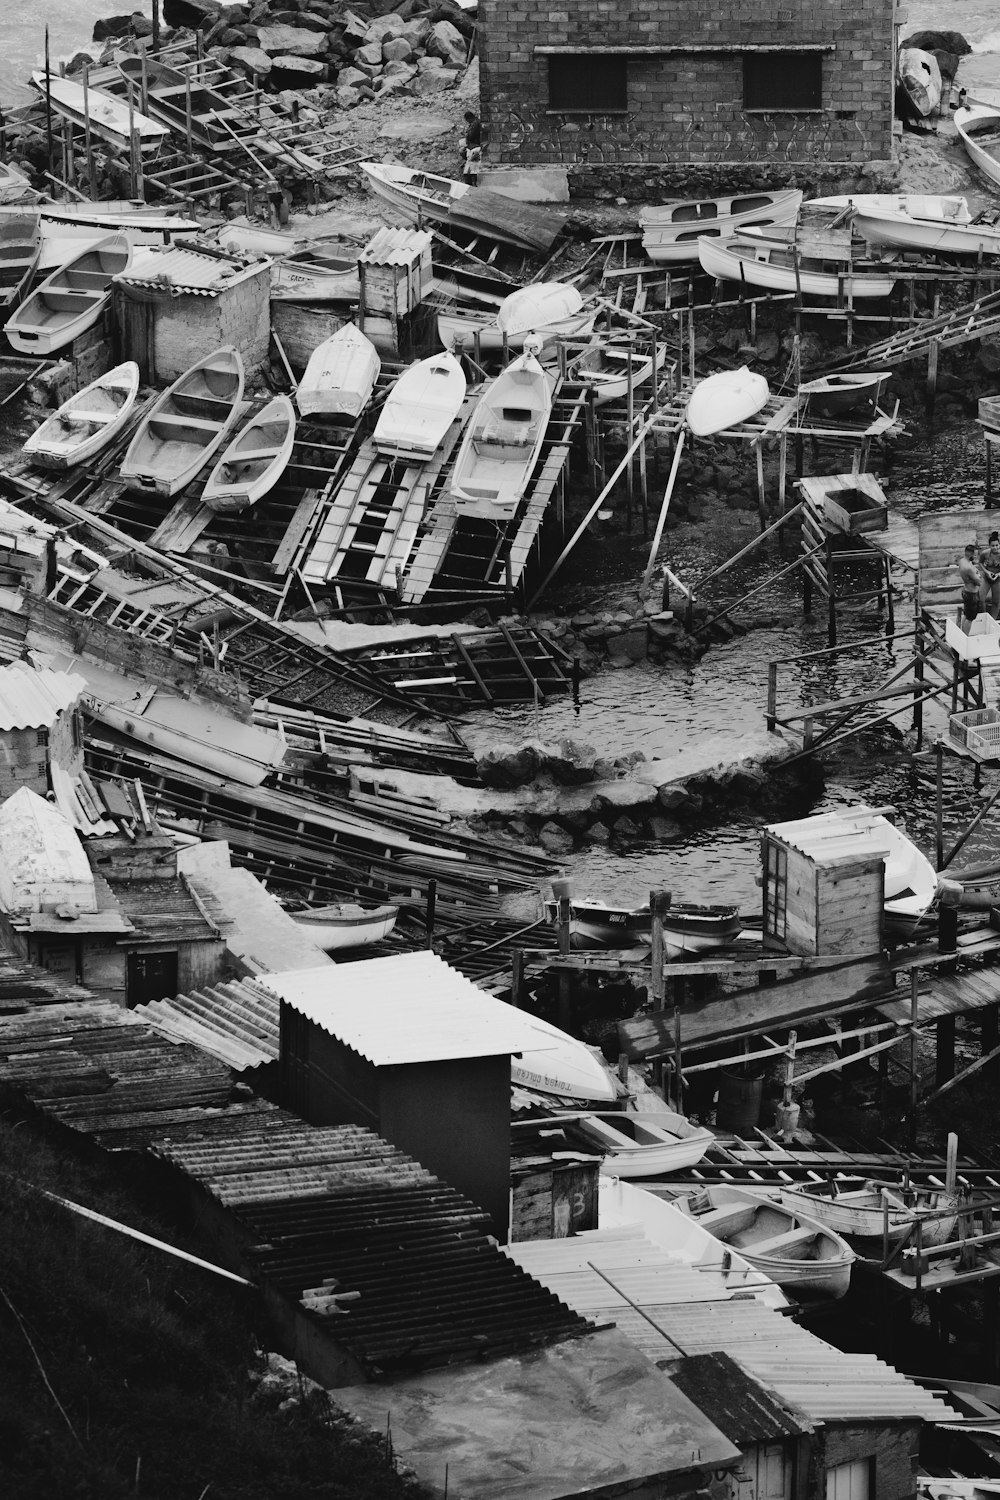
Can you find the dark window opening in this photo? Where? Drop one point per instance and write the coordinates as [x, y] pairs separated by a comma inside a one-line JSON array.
[[776, 891], [588, 85], [782, 80]]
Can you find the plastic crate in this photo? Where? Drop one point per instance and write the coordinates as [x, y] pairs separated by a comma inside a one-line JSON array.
[[989, 412], [978, 730]]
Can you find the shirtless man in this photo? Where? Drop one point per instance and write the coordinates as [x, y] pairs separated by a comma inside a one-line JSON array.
[[989, 564], [972, 585]]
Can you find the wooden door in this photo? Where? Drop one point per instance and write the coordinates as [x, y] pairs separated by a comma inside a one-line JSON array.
[[851, 1481]]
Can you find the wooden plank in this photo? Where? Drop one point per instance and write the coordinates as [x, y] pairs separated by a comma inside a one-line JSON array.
[[493, 214], [750, 1011], [182, 525]]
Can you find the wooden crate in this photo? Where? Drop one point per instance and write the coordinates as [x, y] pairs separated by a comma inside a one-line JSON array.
[[977, 730], [989, 412], [854, 510]]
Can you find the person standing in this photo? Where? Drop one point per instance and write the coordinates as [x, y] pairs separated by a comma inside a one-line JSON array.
[[972, 586], [989, 563]]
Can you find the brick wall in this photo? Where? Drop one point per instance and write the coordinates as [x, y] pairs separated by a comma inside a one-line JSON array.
[[892, 1447], [685, 110]]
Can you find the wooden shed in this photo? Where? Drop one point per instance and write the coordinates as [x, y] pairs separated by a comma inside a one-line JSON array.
[[824, 883], [410, 1048]]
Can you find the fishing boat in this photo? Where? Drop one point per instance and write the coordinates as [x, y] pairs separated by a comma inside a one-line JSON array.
[[460, 329], [782, 267], [978, 127], [904, 229], [415, 195], [503, 441], [538, 306], [607, 369], [20, 239], [670, 231], [183, 104], [835, 395], [420, 408], [70, 300], [67, 229], [562, 1066], [803, 1256], [87, 421], [110, 119], [855, 1208], [186, 425], [919, 78], [254, 461], [340, 376], [688, 929], [14, 183], [725, 399], [948, 208], [643, 1144], [346, 924]]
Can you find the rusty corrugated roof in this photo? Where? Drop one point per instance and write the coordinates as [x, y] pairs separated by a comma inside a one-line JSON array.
[[31, 699], [180, 269], [736, 1403]]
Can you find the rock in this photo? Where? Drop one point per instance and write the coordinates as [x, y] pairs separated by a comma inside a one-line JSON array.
[[578, 621], [351, 78], [402, 70], [296, 72], [141, 25], [434, 82], [626, 830], [253, 61], [555, 840], [389, 83], [429, 64], [291, 41], [571, 763], [193, 13], [112, 26], [347, 98], [416, 32], [446, 42], [506, 766], [630, 645], [659, 827], [604, 768], [396, 50], [383, 27], [597, 833], [369, 56]]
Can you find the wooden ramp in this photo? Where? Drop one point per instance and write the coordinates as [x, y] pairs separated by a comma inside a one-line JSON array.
[[506, 665], [974, 320], [493, 215]]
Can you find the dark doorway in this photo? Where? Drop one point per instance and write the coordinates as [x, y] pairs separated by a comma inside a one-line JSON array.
[[151, 976]]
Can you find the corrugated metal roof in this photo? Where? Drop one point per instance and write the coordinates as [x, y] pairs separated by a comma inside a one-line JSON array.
[[649, 1299], [235, 1022], [180, 269], [858, 833], [22, 532], [410, 1008], [396, 247], [737, 1404], [31, 699]]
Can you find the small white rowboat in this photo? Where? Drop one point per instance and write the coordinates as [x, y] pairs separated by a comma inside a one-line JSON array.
[[670, 232], [86, 422], [109, 117], [779, 267], [724, 400], [645, 1144], [340, 376], [606, 370], [254, 461], [503, 441], [20, 238], [420, 408], [802, 1255], [856, 1208], [187, 424], [978, 127], [70, 300], [346, 924]]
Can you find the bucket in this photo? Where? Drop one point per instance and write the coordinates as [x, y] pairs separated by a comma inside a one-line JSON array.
[[739, 1101], [562, 889]]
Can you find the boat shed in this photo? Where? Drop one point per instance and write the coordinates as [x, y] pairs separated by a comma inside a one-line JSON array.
[[408, 1047], [40, 724], [824, 883], [175, 304], [680, 100]]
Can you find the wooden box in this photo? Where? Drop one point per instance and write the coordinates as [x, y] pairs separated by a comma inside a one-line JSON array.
[[855, 510], [989, 412]]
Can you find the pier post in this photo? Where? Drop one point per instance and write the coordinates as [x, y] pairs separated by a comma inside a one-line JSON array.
[[516, 978], [156, 26], [429, 914], [989, 1035], [944, 1060], [772, 695], [939, 805], [914, 1075]]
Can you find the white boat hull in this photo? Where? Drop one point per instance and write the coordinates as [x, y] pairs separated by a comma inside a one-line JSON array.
[[668, 236], [420, 408], [254, 461], [610, 380], [176, 439], [337, 928], [978, 127], [87, 422], [459, 330], [109, 117], [887, 227], [401, 188], [340, 376], [70, 300], [662, 1142], [562, 1067], [820, 1264], [724, 400], [503, 441], [755, 267]]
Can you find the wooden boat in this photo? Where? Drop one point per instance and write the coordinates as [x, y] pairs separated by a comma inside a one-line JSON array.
[[413, 194], [340, 376], [642, 1144], [179, 101], [855, 1208], [561, 1066], [420, 408], [605, 369], [919, 79], [14, 183], [254, 461], [780, 267], [346, 924], [725, 399], [978, 127], [503, 441], [688, 929], [70, 300], [322, 270], [186, 425], [904, 229], [459, 330], [20, 240], [949, 208], [803, 1256], [86, 422], [833, 395], [670, 232], [68, 229], [538, 306], [109, 117]]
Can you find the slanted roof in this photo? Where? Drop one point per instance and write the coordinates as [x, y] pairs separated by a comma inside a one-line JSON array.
[[857, 834], [409, 1008], [175, 269], [738, 1405], [34, 699]]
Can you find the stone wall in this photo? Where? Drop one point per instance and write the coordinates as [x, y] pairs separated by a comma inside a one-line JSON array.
[[685, 109]]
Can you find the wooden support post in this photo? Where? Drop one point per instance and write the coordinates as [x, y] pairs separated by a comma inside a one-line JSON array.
[[989, 1036], [630, 471], [516, 978], [563, 925], [989, 473], [429, 915], [944, 1058], [659, 904], [951, 1164], [88, 136], [48, 107], [661, 519], [918, 677], [772, 694], [914, 1076], [939, 804], [761, 491], [678, 1063], [156, 26]]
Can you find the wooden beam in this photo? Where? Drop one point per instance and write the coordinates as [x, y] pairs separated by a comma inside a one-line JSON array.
[[688, 49]]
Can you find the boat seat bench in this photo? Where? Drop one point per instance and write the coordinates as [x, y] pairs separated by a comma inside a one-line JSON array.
[[196, 424], [780, 1244], [729, 1218]]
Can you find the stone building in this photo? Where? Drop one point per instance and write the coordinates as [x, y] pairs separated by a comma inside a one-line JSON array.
[[669, 97]]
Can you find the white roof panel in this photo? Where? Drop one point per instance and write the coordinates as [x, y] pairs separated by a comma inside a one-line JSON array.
[[177, 268], [31, 699], [410, 1008]]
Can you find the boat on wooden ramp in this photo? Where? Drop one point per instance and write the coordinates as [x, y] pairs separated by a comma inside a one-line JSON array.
[[415, 195], [346, 924], [805, 1258], [420, 408], [109, 118], [864, 1209], [14, 183], [562, 1066], [906, 230], [839, 394], [187, 424], [321, 270], [643, 1143], [87, 421], [503, 440], [725, 399], [978, 127], [20, 242], [340, 376], [181, 102], [254, 461], [69, 228], [688, 928], [70, 300], [607, 369], [670, 231], [459, 329], [779, 266]]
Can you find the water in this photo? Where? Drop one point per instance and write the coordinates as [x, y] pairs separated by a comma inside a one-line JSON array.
[[978, 22], [71, 25]]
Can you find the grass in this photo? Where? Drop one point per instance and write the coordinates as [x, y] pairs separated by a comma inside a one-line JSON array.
[[127, 1373]]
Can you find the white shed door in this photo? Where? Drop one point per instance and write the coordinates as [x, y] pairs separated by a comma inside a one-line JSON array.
[[850, 1481], [774, 1473]]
